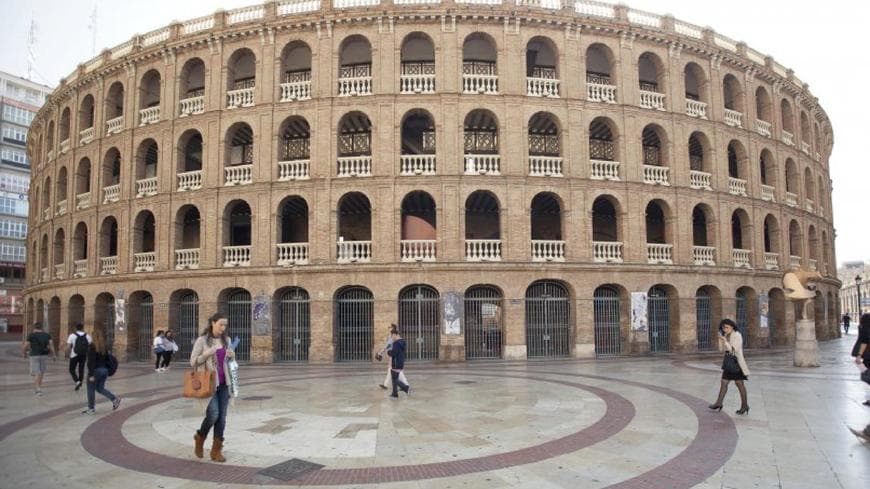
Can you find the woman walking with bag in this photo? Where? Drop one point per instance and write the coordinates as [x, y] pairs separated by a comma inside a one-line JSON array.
[[169, 349], [734, 366], [98, 371], [211, 353], [159, 350]]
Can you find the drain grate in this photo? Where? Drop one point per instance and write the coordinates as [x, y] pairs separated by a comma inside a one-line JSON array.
[[256, 398], [291, 469]]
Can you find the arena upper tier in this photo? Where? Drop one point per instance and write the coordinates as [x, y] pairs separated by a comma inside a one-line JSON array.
[[319, 170]]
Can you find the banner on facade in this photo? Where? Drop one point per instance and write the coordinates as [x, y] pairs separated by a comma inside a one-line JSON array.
[[452, 313], [639, 320], [262, 315], [763, 310], [120, 314]]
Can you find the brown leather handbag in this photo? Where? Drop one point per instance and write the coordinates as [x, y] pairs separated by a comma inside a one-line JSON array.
[[199, 384]]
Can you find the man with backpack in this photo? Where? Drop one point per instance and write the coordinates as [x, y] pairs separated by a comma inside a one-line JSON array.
[[77, 344], [39, 346]]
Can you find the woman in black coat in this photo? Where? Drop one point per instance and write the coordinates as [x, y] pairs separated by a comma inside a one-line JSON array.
[[861, 350]]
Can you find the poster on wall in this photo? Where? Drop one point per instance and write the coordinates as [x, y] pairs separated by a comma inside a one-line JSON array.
[[120, 314], [452, 313], [763, 310], [262, 316], [639, 311]]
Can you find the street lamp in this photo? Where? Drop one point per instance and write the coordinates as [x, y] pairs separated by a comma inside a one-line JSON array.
[[858, 290]]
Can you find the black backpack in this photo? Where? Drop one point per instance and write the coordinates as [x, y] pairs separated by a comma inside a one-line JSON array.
[[81, 345]]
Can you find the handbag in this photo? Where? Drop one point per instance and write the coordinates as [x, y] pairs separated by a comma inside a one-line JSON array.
[[111, 363], [730, 365], [865, 376], [199, 384]]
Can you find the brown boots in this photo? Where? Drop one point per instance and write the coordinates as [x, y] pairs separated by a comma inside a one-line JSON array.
[[216, 445], [198, 441]]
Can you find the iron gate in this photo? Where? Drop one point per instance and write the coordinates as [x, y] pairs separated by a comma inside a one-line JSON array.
[[354, 324], [547, 320], [742, 319], [294, 326], [143, 315], [104, 317], [483, 323], [418, 321], [703, 318], [239, 322], [186, 314], [605, 305], [659, 312]]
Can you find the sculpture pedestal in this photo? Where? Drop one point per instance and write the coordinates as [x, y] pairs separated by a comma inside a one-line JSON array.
[[806, 348]]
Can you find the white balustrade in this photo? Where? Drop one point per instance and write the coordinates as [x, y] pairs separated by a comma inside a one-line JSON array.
[[548, 250], [237, 256], [704, 255], [741, 258], [656, 175], [417, 165], [44, 274], [149, 115], [64, 146], [604, 170], [607, 251], [112, 193], [424, 83], [289, 7], [108, 265], [354, 86], [155, 37], [737, 186], [414, 250], [812, 264], [482, 250], [115, 125], [415, 2], [486, 84], [700, 180], [59, 270], [480, 2], [293, 170], [542, 87], [595, 9], [695, 108], [771, 261], [762, 127], [298, 90], [196, 25], [187, 259], [80, 268], [145, 261], [805, 147], [61, 207], [86, 135], [238, 175], [733, 118], [768, 193], [787, 138], [791, 199], [652, 100], [661, 254], [191, 106], [598, 92], [189, 180], [46, 213], [355, 166], [245, 14], [243, 97], [354, 251], [794, 261], [478, 164], [545, 166], [83, 200], [146, 187], [354, 3], [290, 254], [810, 205]]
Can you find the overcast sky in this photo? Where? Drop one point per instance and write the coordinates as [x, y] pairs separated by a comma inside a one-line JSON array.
[[824, 44]]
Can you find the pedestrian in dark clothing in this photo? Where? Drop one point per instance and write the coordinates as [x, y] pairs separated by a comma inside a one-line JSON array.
[[846, 321], [861, 352], [98, 371], [39, 346], [169, 349], [77, 344], [397, 356]]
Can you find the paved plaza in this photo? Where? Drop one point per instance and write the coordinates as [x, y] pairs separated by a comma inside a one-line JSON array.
[[618, 423]]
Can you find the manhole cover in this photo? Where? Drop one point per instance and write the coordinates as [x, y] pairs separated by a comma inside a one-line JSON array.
[[465, 382], [291, 469], [256, 398]]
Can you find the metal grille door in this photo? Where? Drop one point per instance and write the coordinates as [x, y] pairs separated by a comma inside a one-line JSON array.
[[294, 326], [742, 317], [483, 323], [547, 320], [187, 315], [354, 324], [606, 308], [418, 321], [659, 312], [239, 322], [105, 318], [704, 319], [144, 312]]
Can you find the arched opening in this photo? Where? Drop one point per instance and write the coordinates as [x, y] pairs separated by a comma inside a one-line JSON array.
[[658, 233], [732, 93], [295, 71], [767, 167], [481, 143], [708, 311], [763, 108], [484, 322], [603, 149], [741, 239], [86, 118], [43, 257], [777, 335], [479, 64], [108, 241], [144, 242], [806, 138], [813, 246], [662, 310], [482, 227], [237, 232], [542, 67], [826, 254], [698, 161], [187, 237], [112, 176], [58, 252], [418, 64], [546, 219], [239, 152], [746, 311], [605, 219], [772, 244], [114, 106], [703, 235], [737, 171], [294, 150], [60, 192], [46, 197], [50, 139], [53, 320], [236, 304], [795, 244], [146, 168], [419, 232], [354, 145], [75, 311], [654, 153], [80, 249], [292, 333], [548, 320], [241, 75], [695, 85], [149, 91], [787, 120], [104, 316], [140, 325], [418, 143], [64, 129], [355, 67], [419, 321], [599, 66], [192, 85], [545, 145], [809, 188], [184, 316], [292, 231], [189, 161], [354, 324], [651, 76], [610, 319], [792, 181], [354, 228]]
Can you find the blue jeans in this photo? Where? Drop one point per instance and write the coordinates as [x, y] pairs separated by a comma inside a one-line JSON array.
[[216, 413], [99, 385]]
